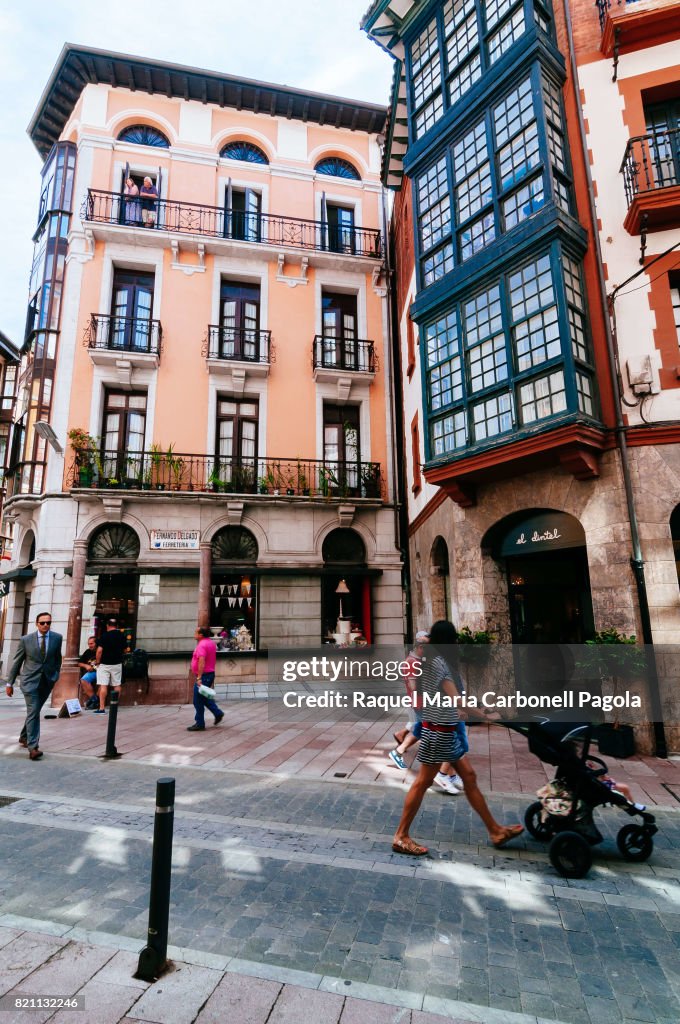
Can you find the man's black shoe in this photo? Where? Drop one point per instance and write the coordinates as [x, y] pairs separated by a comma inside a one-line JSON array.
[[196, 728]]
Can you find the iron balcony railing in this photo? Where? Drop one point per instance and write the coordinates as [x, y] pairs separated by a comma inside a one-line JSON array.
[[220, 222], [650, 162], [604, 5], [174, 471], [242, 344], [343, 354], [124, 334]]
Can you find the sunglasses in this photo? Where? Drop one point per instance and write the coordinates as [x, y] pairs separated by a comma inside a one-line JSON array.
[[45, 622]]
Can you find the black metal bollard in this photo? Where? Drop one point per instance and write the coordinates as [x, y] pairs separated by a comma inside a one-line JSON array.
[[111, 750], [153, 958]]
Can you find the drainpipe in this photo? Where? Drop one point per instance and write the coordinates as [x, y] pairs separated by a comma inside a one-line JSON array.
[[393, 374], [637, 561]]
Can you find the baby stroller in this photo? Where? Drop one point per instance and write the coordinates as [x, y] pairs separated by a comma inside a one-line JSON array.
[[572, 833]]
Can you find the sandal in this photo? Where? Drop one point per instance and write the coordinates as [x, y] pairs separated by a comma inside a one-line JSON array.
[[513, 831], [409, 847]]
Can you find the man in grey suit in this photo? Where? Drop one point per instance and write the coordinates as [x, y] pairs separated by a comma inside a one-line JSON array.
[[38, 658]]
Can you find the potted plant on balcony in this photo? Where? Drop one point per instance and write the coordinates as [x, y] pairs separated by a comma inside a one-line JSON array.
[[302, 481], [243, 478], [214, 481], [157, 463], [85, 449], [175, 464], [370, 480]]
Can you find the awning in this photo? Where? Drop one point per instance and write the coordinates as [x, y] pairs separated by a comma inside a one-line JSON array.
[[27, 573], [543, 531]]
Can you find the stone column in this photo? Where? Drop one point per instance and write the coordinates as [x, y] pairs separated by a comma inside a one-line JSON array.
[[204, 592], [67, 684]]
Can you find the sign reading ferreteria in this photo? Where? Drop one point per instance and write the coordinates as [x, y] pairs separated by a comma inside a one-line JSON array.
[[175, 540]]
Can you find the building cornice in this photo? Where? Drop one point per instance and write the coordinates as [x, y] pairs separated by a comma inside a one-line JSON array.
[[78, 66]]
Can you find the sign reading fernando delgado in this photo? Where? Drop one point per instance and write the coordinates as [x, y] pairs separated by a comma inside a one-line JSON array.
[[175, 539]]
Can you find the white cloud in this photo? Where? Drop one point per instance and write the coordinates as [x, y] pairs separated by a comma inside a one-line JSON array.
[[289, 42]]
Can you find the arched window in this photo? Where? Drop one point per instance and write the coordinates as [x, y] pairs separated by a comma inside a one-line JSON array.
[[343, 545], [337, 168], [245, 151], [113, 540], [440, 586], [144, 135], [234, 544]]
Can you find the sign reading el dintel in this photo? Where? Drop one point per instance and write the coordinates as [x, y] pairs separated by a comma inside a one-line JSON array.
[[175, 539]]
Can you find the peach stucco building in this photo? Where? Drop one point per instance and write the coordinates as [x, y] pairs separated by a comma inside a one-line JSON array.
[[216, 337]]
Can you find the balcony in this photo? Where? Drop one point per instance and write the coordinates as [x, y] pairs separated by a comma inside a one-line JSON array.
[[631, 23], [222, 229], [342, 361], [136, 340], [237, 352], [156, 470], [651, 178]]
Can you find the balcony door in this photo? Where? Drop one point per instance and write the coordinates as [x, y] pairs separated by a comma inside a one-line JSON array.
[[242, 214], [339, 341], [341, 447], [236, 454], [123, 434], [131, 308], [663, 122], [341, 236], [239, 321]]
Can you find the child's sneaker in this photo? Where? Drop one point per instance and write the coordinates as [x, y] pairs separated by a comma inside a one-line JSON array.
[[397, 759]]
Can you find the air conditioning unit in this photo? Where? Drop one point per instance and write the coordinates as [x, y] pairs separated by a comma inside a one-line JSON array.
[[641, 375]]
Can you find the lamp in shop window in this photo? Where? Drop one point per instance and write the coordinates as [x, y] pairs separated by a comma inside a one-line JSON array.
[[341, 589]]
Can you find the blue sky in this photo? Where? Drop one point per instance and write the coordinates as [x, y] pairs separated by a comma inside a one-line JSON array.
[[285, 41]]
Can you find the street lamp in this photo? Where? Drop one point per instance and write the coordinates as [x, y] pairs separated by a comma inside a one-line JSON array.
[[44, 430]]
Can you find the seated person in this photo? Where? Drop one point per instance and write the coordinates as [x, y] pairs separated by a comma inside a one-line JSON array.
[[88, 674]]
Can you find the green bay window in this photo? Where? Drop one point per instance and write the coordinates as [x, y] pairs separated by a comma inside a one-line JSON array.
[[457, 46], [512, 355], [500, 171]]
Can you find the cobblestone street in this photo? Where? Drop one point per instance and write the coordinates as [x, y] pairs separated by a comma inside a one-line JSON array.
[[297, 874]]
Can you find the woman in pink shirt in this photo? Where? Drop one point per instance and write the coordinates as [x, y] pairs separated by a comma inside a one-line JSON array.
[[203, 669]]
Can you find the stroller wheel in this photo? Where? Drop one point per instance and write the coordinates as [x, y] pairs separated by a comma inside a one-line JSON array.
[[539, 829], [634, 843], [570, 854]]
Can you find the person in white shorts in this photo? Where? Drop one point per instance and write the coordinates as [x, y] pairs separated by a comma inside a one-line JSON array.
[[109, 661]]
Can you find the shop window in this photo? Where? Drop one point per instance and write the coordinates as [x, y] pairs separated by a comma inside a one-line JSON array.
[[233, 598], [345, 590], [144, 135], [244, 151]]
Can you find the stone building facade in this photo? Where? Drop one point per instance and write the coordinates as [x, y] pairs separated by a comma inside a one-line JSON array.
[[540, 417], [205, 427]]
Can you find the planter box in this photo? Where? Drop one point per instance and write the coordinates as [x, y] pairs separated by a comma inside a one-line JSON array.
[[616, 742]]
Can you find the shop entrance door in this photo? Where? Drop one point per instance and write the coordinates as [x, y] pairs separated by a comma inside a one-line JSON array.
[[549, 595], [117, 598]]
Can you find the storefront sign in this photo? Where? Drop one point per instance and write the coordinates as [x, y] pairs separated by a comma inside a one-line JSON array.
[[542, 532], [175, 540]]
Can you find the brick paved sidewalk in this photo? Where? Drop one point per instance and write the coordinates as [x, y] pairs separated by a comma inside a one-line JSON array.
[[307, 748], [204, 989]]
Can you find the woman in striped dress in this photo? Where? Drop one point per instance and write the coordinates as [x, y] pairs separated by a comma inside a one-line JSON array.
[[441, 740]]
